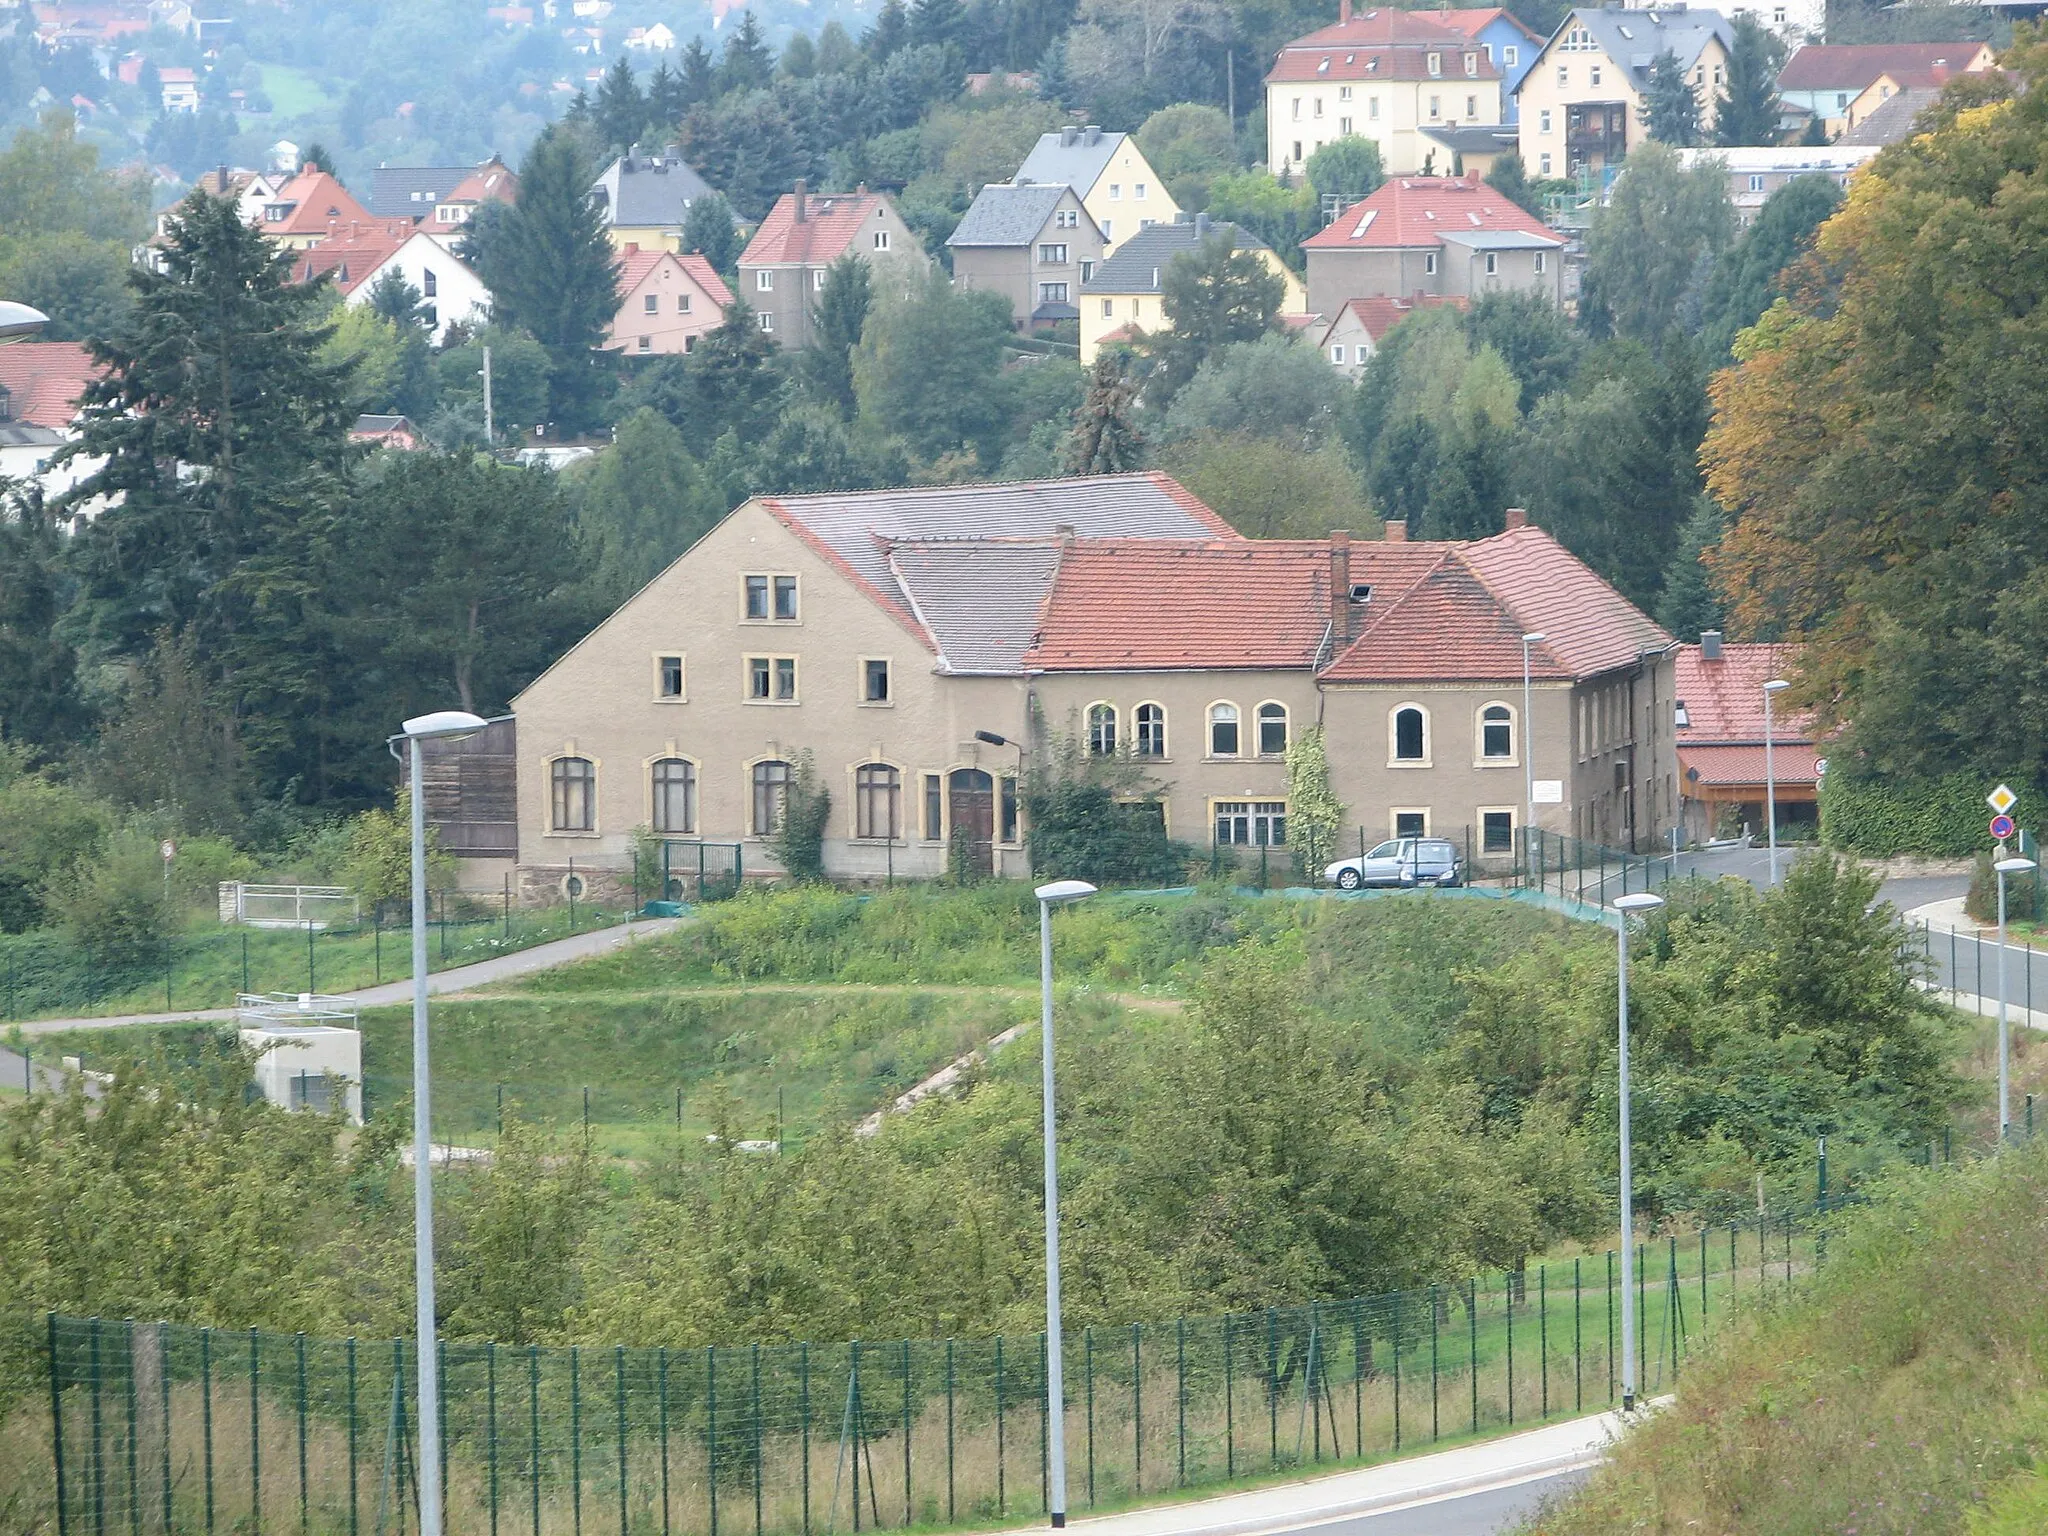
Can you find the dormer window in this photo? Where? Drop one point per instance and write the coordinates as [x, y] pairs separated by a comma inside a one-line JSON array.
[[1436, 64], [1471, 64], [1679, 717], [1323, 68]]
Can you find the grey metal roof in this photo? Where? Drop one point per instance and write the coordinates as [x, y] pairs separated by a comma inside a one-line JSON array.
[[1633, 38], [1073, 157], [1892, 119], [411, 191], [1141, 261], [649, 190], [1005, 215], [1500, 240], [1474, 138], [979, 599]]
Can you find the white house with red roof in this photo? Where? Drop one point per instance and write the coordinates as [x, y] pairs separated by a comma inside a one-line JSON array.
[[350, 254], [1382, 74], [40, 386], [1718, 722], [1443, 236], [451, 294], [666, 302], [1829, 79], [782, 270], [1350, 340]]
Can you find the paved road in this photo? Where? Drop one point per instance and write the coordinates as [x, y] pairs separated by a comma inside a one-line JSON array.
[[1489, 1512]]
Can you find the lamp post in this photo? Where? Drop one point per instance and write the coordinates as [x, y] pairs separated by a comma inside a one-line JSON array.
[[1628, 906], [1528, 745], [445, 725], [19, 321], [1776, 685], [2005, 867], [1050, 896]]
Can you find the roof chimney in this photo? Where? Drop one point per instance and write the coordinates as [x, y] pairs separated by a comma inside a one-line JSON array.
[[1343, 11], [1518, 517], [1201, 225], [1093, 133], [1397, 530], [801, 190], [1340, 583], [1710, 645], [1068, 135], [220, 179], [670, 152], [632, 248]]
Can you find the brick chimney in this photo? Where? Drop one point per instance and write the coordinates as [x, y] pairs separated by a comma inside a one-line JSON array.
[[801, 191], [1343, 11], [1397, 530], [1340, 583], [1517, 517]]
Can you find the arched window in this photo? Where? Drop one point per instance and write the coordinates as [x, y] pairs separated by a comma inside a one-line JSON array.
[[572, 784], [1496, 731], [1411, 735], [675, 795], [1151, 720], [1223, 730], [1272, 729], [771, 795], [877, 801], [1102, 730]]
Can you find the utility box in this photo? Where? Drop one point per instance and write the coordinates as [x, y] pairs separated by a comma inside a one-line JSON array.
[[311, 1053]]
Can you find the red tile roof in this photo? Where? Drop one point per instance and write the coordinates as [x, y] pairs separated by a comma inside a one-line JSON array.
[[1472, 23], [44, 380], [1379, 316], [635, 264], [827, 231], [1385, 44], [1724, 700], [1792, 764], [1419, 211], [707, 278], [1592, 627], [1843, 66], [489, 182], [1445, 625], [314, 201], [352, 254]]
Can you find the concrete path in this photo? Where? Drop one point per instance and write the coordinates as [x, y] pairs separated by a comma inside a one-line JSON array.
[[1339, 1500], [1484, 1512], [1963, 958], [461, 978]]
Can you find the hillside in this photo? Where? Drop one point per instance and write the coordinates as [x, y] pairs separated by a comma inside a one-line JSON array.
[[1903, 1390]]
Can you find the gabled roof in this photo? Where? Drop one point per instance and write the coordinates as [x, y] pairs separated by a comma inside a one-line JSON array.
[[1724, 699], [635, 265], [1072, 157], [653, 191], [1005, 215], [411, 191], [44, 379], [1445, 623], [1853, 66], [979, 599], [351, 254], [830, 224], [1593, 628], [1892, 120], [1422, 211], [1384, 43], [489, 182], [1377, 316], [1471, 23], [1796, 762], [313, 202], [1633, 38], [1141, 261]]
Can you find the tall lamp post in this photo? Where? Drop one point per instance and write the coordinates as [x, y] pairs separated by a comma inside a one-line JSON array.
[[1528, 746], [1628, 906], [1050, 896], [1774, 687], [2005, 867], [446, 725]]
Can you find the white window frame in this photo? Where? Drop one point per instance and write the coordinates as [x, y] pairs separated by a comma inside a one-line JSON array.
[[1259, 718], [764, 280], [1492, 263], [1429, 263], [1394, 758], [1104, 728], [693, 793], [1139, 726], [881, 239], [1209, 723], [1256, 809], [650, 304], [1513, 757], [861, 692], [682, 661]]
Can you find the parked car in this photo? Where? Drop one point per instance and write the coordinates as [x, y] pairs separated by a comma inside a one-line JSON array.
[[1401, 861]]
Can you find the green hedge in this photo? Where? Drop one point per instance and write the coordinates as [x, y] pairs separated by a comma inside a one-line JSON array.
[[1941, 818]]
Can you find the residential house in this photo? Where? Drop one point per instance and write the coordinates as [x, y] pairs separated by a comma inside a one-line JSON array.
[[393, 432], [446, 195], [1109, 173], [1755, 173], [1795, 21], [655, 39], [310, 208], [1826, 79], [1033, 244], [1351, 339], [1718, 724], [647, 198], [1925, 83], [666, 302], [782, 270], [1506, 39], [922, 647], [179, 88], [1892, 121], [251, 190], [41, 383], [1385, 75], [1581, 106], [1435, 235], [451, 293], [351, 255], [1125, 296]]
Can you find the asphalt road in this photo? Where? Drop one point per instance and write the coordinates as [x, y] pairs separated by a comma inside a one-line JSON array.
[[1490, 1512]]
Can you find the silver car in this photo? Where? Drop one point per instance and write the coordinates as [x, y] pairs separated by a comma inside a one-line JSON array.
[[1401, 861]]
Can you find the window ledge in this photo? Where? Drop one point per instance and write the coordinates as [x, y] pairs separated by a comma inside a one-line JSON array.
[[671, 698], [557, 832], [772, 703], [1496, 762], [771, 623], [1409, 762], [877, 703]]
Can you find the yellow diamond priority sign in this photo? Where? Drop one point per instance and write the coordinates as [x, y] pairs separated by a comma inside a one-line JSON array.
[[2002, 799]]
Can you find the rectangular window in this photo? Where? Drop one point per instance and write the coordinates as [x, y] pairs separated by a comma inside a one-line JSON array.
[[785, 597], [430, 285], [1472, 108], [1540, 254], [881, 239], [1138, 191], [818, 280], [1343, 93], [670, 685], [682, 303], [1108, 308], [1116, 192], [934, 808], [1756, 183], [1492, 263], [1007, 808], [1319, 107], [1107, 225], [1053, 255], [1496, 831], [785, 679], [1297, 109], [1543, 165], [1471, 65], [1510, 55], [1411, 823], [572, 783], [771, 679], [877, 799], [689, 343], [1435, 108], [1337, 354], [874, 681], [651, 303], [767, 320], [1372, 109], [1436, 64], [646, 344], [1564, 75], [1087, 271], [1429, 263], [1594, 72], [764, 281], [1251, 823], [1052, 293], [674, 787], [1543, 121], [757, 597], [1297, 156]]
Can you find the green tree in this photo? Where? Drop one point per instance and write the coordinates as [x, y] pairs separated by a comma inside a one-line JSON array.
[[1347, 167], [389, 367], [927, 365], [1510, 178], [396, 300], [1314, 813], [641, 503], [1105, 439], [799, 59], [1656, 240], [1748, 112], [619, 111], [826, 366], [315, 156], [46, 827], [1281, 214], [708, 230], [1266, 488], [798, 841], [377, 865], [1750, 276], [170, 746], [730, 383], [1212, 296], [516, 1233], [1690, 603], [51, 182], [1670, 109], [890, 32], [1189, 145], [41, 708], [79, 282], [1272, 387], [748, 63]]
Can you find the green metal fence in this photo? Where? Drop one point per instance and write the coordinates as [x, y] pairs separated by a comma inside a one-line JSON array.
[[1580, 871], [162, 1428]]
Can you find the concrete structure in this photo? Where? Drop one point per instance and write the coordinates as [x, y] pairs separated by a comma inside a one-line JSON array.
[[449, 290], [1350, 339], [1718, 724], [1754, 174], [1436, 236], [1109, 173], [782, 270], [1035, 245], [1828, 79], [647, 199], [1124, 296], [878, 632], [311, 1053], [179, 88], [1580, 107], [666, 302], [1469, 149]]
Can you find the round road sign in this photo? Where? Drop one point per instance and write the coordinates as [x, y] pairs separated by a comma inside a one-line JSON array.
[[2001, 827], [168, 849]]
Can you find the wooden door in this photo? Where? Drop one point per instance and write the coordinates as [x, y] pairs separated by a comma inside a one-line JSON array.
[[973, 795]]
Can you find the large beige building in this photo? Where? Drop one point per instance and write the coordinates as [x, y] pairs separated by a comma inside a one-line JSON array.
[[1581, 103], [917, 645]]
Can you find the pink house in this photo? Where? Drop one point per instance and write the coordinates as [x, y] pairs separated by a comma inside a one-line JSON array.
[[667, 302]]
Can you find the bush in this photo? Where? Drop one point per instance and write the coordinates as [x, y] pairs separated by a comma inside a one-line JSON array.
[[1081, 831], [113, 905], [378, 865], [799, 838], [1939, 818], [2024, 902]]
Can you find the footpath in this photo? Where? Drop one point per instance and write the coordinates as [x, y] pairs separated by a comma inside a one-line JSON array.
[[1965, 953]]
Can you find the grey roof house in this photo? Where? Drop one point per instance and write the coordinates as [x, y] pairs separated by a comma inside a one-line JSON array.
[[1035, 244], [411, 191], [646, 198], [1125, 290], [1109, 173]]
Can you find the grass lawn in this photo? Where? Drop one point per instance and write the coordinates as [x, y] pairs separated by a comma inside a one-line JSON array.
[[293, 92]]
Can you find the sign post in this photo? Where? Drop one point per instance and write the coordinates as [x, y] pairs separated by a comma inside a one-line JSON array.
[[169, 851]]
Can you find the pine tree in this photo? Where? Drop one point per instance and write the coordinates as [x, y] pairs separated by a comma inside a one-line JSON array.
[[889, 34], [842, 310], [1105, 441], [748, 65], [40, 707], [620, 111], [667, 99], [1690, 602], [1670, 109], [708, 230], [1749, 111], [800, 59], [1510, 178], [316, 157], [700, 76], [396, 300], [936, 22]]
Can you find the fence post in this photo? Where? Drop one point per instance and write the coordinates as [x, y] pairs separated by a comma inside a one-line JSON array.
[[1229, 1398], [533, 1428], [661, 1421], [803, 1405], [711, 1434], [1002, 1470], [1578, 1346], [1044, 1445], [1508, 1310], [57, 1424], [906, 1435], [1472, 1319], [951, 1505], [576, 1444], [619, 1405], [1610, 1325], [1137, 1412], [352, 1515], [310, 986], [1435, 1395], [206, 1414], [1397, 1383], [1543, 1336], [1180, 1367], [299, 1349]]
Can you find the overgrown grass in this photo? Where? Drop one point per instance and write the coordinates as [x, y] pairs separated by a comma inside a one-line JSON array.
[[1903, 1390]]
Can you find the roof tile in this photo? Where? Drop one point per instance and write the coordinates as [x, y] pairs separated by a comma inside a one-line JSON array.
[[44, 380], [830, 224], [1421, 210], [1724, 700]]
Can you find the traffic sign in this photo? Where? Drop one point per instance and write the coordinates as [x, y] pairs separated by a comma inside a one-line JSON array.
[[2001, 827], [1820, 767], [2001, 800], [168, 849]]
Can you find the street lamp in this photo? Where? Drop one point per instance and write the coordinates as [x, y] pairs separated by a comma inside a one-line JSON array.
[[1528, 745], [1628, 906], [444, 725], [19, 321], [1775, 686], [1050, 896], [2004, 867]]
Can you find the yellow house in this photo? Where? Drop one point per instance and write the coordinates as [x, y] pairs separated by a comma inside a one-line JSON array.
[[646, 199], [1581, 102], [1109, 173], [1124, 293]]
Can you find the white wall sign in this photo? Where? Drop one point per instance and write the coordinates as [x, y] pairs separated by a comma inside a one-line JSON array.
[[1547, 792]]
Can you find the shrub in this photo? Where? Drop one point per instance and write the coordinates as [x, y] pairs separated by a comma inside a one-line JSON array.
[[113, 905], [1881, 817], [799, 838], [2023, 898], [378, 865]]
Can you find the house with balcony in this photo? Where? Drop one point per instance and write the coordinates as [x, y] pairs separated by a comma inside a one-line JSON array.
[[1034, 244], [1580, 106]]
